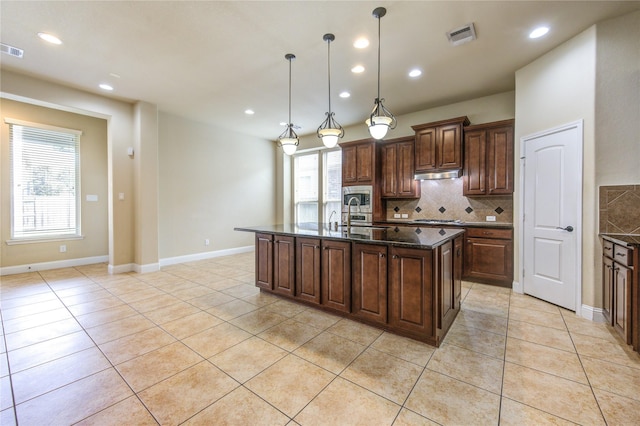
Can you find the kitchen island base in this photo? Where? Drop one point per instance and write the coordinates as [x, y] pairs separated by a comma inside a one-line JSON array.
[[411, 290]]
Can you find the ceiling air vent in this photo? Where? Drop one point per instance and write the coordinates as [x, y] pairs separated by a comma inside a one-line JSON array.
[[462, 35], [13, 51]]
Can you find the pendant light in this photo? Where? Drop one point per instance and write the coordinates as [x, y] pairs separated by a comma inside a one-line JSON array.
[[288, 140], [380, 120], [330, 130]]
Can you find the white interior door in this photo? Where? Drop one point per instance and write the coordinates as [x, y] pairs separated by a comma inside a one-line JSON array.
[[552, 209]]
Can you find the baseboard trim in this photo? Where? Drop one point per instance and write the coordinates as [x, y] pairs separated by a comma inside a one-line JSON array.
[[517, 287], [593, 314], [205, 255], [56, 264], [121, 269]]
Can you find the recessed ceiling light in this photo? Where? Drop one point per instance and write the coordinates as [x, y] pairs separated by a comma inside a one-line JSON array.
[[361, 43], [249, 111], [344, 94], [50, 38], [357, 69], [538, 32], [105, 86], [415, 73]]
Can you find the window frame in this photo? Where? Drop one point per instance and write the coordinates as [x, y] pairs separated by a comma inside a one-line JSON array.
[[322, 152], [45, 237]]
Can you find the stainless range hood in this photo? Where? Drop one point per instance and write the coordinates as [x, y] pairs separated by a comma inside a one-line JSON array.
[[450, 174]]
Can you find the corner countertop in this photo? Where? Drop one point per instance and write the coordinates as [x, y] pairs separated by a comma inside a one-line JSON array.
[[630, 240], [407, 236]]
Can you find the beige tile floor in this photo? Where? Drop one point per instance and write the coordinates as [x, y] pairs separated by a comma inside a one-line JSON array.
[[197, 343]]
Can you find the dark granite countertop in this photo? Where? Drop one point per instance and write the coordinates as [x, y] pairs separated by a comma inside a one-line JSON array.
[[408, 236], [630, 240], [451, 224]]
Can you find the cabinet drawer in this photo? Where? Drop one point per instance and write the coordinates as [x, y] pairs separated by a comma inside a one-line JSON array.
[[607, 248], [505, 234], [623, 255]]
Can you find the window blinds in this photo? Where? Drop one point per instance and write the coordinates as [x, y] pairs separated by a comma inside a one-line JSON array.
[[45, 164]]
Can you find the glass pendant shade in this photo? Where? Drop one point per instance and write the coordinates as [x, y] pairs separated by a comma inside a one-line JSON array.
[[330, 137], [288, 140], [330, 131], [379, 126]]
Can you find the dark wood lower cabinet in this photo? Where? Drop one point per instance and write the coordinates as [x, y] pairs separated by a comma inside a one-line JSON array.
[[411, 290], [336, 275], [622, 301], [264, 261], [607, 288], [488, 256], [370, 282], [284, 265], [308, 269], [414, 292]]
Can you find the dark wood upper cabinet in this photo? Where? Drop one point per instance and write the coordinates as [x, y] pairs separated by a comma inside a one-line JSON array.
[[398, 169], [488, 159], [358, 163], [438, 145]]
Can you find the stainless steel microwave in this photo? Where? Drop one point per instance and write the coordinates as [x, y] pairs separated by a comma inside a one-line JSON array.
[[362, 195]]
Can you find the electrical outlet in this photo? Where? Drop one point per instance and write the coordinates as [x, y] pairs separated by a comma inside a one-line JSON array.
[[396, 215], [206, 242], [63, 248], [491, 218], [405, 215]]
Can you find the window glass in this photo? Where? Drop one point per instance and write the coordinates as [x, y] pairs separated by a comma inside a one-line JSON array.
[[317, 182], [45, 181]]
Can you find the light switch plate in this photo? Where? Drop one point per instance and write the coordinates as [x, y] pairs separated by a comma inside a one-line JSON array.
[[491, 218], [405, 216], [396, 215], [92, 198]]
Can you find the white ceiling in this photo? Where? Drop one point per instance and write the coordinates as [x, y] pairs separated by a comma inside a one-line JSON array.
[[211, 60]]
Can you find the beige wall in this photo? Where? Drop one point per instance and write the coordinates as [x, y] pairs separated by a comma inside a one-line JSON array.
[[119, 116], [211, 180], [618, 101], [93, 180], [556, 89]]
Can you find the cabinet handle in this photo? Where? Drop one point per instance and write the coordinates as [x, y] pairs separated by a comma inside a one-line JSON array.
[[621, 254], [607, 248], [317, 247], [395, 256], [326, 248], [381, 255]]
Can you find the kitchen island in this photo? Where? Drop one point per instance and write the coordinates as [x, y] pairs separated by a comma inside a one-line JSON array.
[[402, 279]]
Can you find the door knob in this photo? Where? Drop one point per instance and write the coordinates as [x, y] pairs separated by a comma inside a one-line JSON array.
[[568, 228]]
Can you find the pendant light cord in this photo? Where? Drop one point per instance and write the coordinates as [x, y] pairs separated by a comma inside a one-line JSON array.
[[379, 18], [289, 124], [329, 71]]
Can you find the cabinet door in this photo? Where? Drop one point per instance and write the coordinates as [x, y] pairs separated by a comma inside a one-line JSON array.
[[425, 150], [457, 271], [411, 303], [308, 269], [446, 286], [364, 163], [406, 185], [389, 173], [622, 302], [449, 147], [475, 164], [489, 260], [607, 289], [264, 261], [336, 275], [370, 282], [284, 265], [500, 160], [349, 161]]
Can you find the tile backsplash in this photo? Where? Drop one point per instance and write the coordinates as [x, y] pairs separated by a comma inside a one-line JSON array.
[[443, 199], [620, 209]]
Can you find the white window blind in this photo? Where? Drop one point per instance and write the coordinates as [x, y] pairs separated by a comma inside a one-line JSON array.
[[45, 178]]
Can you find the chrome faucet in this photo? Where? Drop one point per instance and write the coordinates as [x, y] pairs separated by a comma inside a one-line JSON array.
[[349, 210], [330, 217]]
